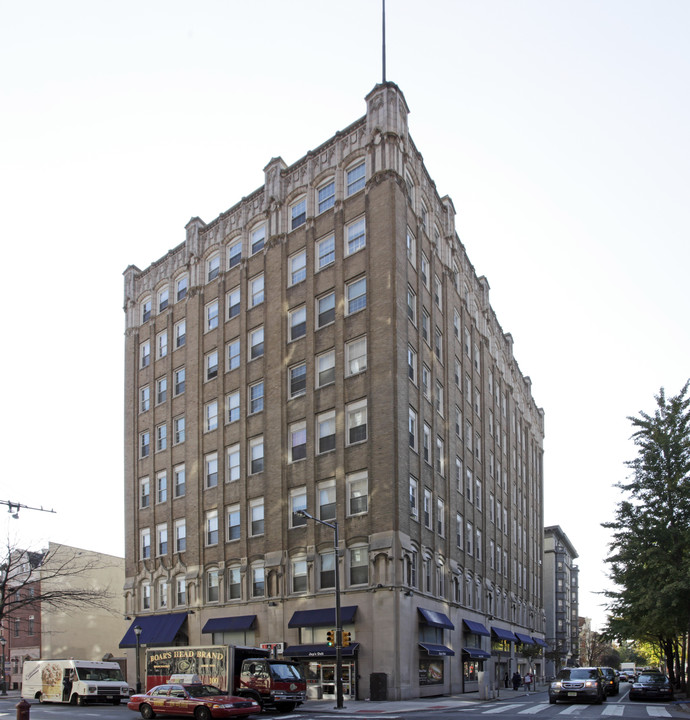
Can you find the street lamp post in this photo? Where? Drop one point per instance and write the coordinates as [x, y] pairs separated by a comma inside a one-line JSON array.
[[3, 642], [338, 618], [137, 634]]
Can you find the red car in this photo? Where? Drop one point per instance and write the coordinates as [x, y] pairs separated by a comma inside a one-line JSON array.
[[202, 702]]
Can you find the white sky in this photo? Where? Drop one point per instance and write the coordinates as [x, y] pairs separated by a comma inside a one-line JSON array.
[[558, 127]]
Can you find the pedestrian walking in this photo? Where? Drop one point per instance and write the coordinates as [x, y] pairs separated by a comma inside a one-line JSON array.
[[516, 680], [528, 682]]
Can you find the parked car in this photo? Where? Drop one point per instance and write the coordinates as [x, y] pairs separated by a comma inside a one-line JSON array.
[[578, 684], [623, 676], [611, 681], [203, 702], [651, 686]]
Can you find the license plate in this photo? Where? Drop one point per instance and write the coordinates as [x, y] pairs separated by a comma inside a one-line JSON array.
[[572, 694]]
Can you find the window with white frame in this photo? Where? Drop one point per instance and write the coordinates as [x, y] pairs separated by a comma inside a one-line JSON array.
[[180, 480], [412, 305], [163, 298], [355, 236], [145, 354], [356, 356], [144, 444], [440, 517], [298, 213], [179, 377], [233, 354], [438, 344], [355, 178], [161, 437], [258, 581], [479, 545], [297, 380], [146, 596], [161, 390], [162, 593], [212, 586], [180, 535], [440, 456], [232, 302], [161, 540], [181, 287], [298, 573], [256, 343], [233, 519], [298, 501], [232, 406], [145, 543], [211, 416], [469, 484], [357, 493], [426, 382], [425, 325], [325, 430], [256, 517], [297, 268], [427, 509], [326, 495], [439, 399], [412, 429], [297, 323], [326, 196], [256, 455], [144, 398], [325, 310], [325, 369], [356, 422], [356, 295], [211, 365], [234, 253], [412, 364], [326, 570], [211, 526], [162, 344], [180, 331], [469, 537], [459, 478], [425, 270], [144, 492], [257, 238], [459, 530], [145, 307], [256, 397], [234, 582], [359, 565], [297, 434], [181, 590], [411, 248], [233, 455], [211, 469], [211, 315], [325, 252], [426, 443], [414, 497], [179, 427], [438, 292], [212, 267], [256, 290]]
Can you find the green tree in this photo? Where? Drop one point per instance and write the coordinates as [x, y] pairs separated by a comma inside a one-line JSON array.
[[650, 551]]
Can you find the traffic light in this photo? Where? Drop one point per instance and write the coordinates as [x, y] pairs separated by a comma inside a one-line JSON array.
[[346, 638], [330, 638]]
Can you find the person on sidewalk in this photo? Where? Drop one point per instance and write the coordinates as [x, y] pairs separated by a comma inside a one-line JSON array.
[[516, 680], [528, 682]]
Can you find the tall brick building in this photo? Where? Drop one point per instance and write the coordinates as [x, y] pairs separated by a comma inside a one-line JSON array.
[[326, 345]]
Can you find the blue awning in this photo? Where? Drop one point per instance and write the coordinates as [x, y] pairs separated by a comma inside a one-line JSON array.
[[155, 630], [322, 617], [228, 624], [436, 619], [436, 650], [502, 634], [540, 641], [476, 653], [322, 650], [476, 627], [524, 639]]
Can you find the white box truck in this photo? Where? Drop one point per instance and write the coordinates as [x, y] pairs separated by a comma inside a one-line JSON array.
[[73, 681]]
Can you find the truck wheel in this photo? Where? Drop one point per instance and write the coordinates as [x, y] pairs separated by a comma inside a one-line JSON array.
[[146, 712], [81, 700], [42, 698], [285, 706], [202, 713]]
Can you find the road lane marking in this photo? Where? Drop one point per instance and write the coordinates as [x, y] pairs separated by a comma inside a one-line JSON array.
[[534, 709], [656, 711], [613, 710], [501, 708]]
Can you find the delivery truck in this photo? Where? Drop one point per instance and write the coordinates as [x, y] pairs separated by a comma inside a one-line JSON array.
[[73, 681], [236, 669]]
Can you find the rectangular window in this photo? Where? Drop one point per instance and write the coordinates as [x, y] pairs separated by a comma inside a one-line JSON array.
[[212, 267], [325, 310], [233, 354], [298, 501], [180, 481], [233, 515], [298, 214], [180, 334], [211, 363], [144, 444], [325, 369], [356, 295], [424, 269], [256, 343], [233, 453], [144, 492], [211, 470], [234, 254], [459, 530], [181, 591], [162, 344], [297, 268], [178, 430], [359, 566], [412, 364], [297, 323], [145, 354], [297, 378], [256, 516], [232, 407], [411, 248], [256, 290], [161, 390], [145, 537], [234, 581], [355, 236], [326, 196], [357, 493], [258, 582], [428, 518], [425, 325], [412, 429], [325, 431], [298, 441], [327, 570], [211, 416], [146, 310], [440, 456], [180, 378], [212, 527], [414, 498], [299, 576], [162, 540], [232, 302], [257, 238], [325, 252], [212, 315], [212, 586], [181, 287], [355, 179], [356, 356], [440, 517], [256, 455], [412, 305], [161, 437], [326, 491], [144, 399], [356, 422], [256, 397]]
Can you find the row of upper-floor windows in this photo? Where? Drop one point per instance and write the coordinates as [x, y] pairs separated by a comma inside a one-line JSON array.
[[355, 238]]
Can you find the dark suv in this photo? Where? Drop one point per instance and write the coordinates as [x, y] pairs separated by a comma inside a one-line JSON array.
[[578, 684], [611, 682]]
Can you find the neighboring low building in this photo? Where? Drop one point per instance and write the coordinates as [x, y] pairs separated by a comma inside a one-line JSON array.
[[561, 603], [39, 631]]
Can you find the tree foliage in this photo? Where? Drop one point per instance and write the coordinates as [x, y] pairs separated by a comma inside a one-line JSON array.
[[650, 551]]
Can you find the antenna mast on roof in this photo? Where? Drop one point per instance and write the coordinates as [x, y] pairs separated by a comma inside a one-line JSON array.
[[383, 27]]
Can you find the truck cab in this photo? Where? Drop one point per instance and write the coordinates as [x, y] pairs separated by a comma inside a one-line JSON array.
[[274, 683]]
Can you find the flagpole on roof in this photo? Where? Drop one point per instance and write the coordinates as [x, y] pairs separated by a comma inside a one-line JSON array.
[[383, 32]]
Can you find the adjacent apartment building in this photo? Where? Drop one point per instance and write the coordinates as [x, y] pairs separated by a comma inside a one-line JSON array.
[[326, 345]]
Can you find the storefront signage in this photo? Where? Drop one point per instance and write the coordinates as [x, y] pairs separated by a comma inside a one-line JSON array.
[[430, 672]]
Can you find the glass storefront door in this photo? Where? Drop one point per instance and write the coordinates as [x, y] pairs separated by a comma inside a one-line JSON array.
[[324, 674]]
